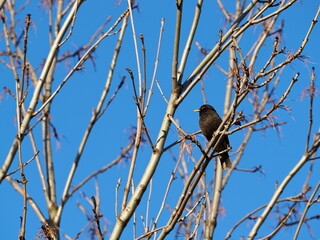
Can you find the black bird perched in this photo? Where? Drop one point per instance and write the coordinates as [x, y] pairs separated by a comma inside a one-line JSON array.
[[209, 122]]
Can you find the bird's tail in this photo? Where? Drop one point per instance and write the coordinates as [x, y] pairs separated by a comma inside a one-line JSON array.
[[225, 161]]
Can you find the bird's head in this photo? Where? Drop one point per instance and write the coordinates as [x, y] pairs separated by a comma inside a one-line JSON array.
[[204, 108]]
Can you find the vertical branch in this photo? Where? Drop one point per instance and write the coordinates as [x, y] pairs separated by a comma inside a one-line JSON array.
[[97, 217], [136, 144], [135, 46], [50, 21], [59, 16], [144, 80], [212, 221], [23, 178], [311, 94], [155, 67], [19, 101], [116, 198], [134, 221], [19, 98], [232, 57], [191, 35], [175, 54], [47, 139], [40, 169], [203, 91], [24, 66], [146, 227], [47, 149], [139, 98], [46, 121]]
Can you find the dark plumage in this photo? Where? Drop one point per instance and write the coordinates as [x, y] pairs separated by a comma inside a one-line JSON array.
[[209, 122]]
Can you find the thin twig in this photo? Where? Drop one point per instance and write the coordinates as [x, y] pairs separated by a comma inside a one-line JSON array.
[[122, 155], [312, 95], [117, 198], [97, 217], [140, 126], [134, 37], [24, 164], [155, 69]]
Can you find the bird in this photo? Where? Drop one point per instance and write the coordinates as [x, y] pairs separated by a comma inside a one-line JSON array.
[[209, 122]]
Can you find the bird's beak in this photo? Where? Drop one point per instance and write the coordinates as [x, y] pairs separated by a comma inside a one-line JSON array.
[[196, 110]]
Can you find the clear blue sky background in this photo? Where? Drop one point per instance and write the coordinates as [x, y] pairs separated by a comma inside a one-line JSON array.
[[276, 151]]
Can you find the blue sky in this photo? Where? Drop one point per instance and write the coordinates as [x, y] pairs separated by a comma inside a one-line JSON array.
[[71, 112]]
